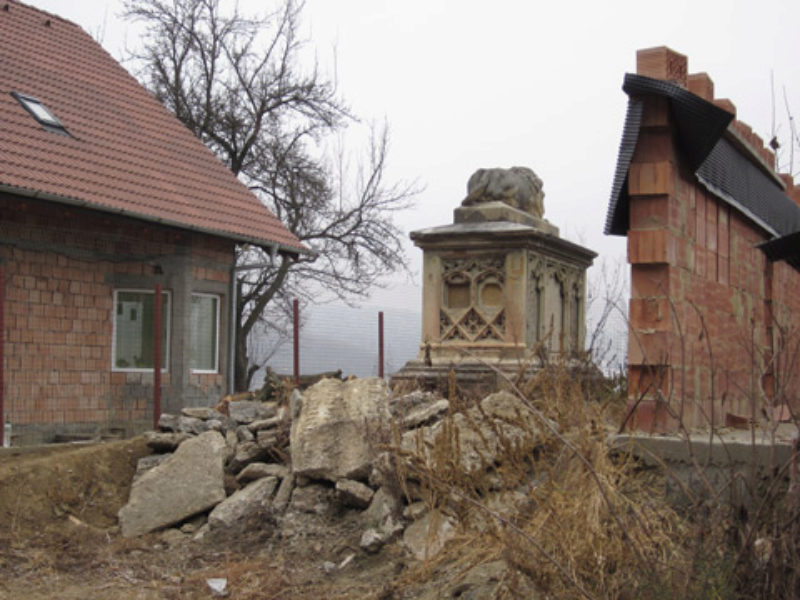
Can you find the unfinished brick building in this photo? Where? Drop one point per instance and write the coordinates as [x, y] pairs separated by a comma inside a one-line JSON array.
[[103, 196], [715, 261]]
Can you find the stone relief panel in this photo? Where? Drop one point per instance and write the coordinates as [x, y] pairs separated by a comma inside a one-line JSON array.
[[473, 299], [555, 303]]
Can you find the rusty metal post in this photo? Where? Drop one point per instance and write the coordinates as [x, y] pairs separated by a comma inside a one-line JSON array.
[[380, 344], [296, 322], [2, 357], [157, 356]]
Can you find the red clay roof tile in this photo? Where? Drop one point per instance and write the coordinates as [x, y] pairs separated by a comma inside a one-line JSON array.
[[125, 153]]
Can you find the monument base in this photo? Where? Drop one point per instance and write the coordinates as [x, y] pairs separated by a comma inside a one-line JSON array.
[[471, 377]]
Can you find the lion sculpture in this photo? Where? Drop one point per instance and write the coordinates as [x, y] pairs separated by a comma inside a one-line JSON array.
[[519, 187]]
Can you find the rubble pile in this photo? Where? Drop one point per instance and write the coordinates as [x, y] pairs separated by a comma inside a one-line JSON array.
[[328, 454]]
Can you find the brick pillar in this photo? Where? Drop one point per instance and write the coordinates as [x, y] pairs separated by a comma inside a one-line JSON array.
[[651, 254], [700, 84], [662, 63]]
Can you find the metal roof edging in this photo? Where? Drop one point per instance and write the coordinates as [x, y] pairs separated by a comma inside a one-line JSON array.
[[627, 146]]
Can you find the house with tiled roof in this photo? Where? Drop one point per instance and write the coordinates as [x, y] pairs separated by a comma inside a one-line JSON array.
[[105, 195], [713, 236]]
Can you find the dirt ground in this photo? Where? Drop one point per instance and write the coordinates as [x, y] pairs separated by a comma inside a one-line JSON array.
[[59, 539]]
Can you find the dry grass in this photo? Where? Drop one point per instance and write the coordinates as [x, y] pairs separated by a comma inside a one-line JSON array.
[[581, 521]]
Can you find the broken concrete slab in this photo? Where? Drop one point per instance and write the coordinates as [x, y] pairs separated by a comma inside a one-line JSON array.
[[188, 483], [247, 411], [480, 433], [284, 494], [259, 470], [314, 499], [338, 429], [268, 423], [371, 541], [423, 415], [266, 438], [163, 441], [146, 463], [204, 413], [243, 434], [246, 452], [383, 505], [191, 425], [255, 497], [168, 422], [426, 536], [403, 405], [354, 493]]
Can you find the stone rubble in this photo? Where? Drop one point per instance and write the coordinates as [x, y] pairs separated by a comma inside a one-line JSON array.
[[191, 481], [323, 455]]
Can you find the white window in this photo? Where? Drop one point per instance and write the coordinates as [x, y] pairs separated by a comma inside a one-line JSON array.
[[133, 347], [204, 333]]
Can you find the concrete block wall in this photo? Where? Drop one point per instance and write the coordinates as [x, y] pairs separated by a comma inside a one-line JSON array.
[[62, 265], [705, 304]]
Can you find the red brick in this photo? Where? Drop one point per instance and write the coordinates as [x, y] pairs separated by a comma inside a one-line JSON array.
[[649, 313], [726, 105], [650, 178], [648, 347], [651, 416], [701, 85], [649, 212], [651, 246], [58, 325], [662, 63], [649, 280], [711, 226], [655, 141]]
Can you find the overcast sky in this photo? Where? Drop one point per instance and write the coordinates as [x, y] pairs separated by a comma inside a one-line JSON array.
[[468, 84]]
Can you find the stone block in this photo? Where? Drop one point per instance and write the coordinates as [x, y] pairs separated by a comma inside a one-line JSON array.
[[259, 470], [190, 482], [426, 537], [336, 433], [254, 498], [354, 493]]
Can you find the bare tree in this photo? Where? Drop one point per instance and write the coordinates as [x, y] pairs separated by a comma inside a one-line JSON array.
[[785, 142], [238, 83]]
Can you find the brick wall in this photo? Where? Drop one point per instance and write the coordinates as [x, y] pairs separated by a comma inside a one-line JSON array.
[[62, 265], [708, 313]]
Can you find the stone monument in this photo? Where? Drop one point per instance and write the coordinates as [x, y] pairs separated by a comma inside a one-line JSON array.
[[500, 288]]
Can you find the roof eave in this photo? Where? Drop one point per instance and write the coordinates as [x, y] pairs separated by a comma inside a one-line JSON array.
[[256, 241]]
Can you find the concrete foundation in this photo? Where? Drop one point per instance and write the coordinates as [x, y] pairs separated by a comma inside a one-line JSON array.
[[731, 465]]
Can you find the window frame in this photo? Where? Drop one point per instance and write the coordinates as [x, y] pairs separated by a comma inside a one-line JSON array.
[[218, 298], [33, 105], [166, 320]]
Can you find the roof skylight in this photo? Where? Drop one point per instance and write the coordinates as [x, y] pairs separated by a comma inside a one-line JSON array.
[[40, 112]]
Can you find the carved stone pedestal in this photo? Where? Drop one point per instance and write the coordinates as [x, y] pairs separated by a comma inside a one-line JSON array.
[[500, 290]]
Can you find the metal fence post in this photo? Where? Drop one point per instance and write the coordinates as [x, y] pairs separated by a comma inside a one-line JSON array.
[[157, 356], [296, 322], [380, 344], [2, 357]]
